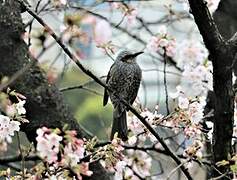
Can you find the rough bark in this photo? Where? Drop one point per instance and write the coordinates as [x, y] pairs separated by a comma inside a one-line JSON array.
[[45, 105], [226, 18]]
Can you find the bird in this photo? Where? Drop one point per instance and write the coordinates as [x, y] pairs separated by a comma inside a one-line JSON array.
[[123, 81]]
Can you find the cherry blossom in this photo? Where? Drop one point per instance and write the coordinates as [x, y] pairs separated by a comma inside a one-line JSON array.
[[195, 112], [210, 126], [135, 125], [190, 52], [62, 150], [48, 145], [120, 166], [74, 152], [83, 169], [192, 131], [196, 81], [102, 32], [129, 11], [189, 114], [20, 107], [162, 42], [140, 162], [183, 102], [7, 128], [131, 15], [177, 93], [195, 150], [11, 110], [132, 140]]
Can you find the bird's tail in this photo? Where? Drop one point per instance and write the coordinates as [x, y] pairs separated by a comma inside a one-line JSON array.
[[119, 123]]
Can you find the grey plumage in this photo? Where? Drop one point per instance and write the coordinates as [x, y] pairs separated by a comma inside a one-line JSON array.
[[123, 79]]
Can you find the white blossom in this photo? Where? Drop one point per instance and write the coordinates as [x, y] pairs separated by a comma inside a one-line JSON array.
[[20, 107]]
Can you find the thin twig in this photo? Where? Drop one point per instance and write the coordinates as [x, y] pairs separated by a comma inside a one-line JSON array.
[[165, 83], [175, 169], [22, 155]]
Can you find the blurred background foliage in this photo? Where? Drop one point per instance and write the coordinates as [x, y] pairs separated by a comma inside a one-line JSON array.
[[87, 106]]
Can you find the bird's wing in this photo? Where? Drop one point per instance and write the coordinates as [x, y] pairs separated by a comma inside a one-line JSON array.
[[135, 86], [106, 95]]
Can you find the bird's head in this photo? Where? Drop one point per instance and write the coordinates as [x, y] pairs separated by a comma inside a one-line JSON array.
[[127, 56]]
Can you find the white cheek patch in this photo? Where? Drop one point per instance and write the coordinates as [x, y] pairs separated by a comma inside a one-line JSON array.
[[130, 60]]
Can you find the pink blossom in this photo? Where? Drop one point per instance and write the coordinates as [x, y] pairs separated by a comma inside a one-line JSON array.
[[141, 163], [196, 112], [84, 169], [132, 140], [48, 145], [131, 16], [183, 102], [196, 81], [102, 32], [191, 52], [178, 92], [11, 110], [162, 42], [135, 125], [13, 126], [45, 150], [7, 128], [192, 131], [120, 166], [73, 153]]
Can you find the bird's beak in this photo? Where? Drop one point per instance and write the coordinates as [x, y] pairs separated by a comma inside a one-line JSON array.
[[138, 53]]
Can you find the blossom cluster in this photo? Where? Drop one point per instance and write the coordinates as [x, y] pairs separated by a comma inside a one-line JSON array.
[[192, 58], [74, 33], [125, 164], [162, 43], [7, 128], [194, 150], [186, 118], [12, 117], [196, 81], [189, 112], [191, 53], [135, 163], [62, 150], [110, 154], [129, 11]]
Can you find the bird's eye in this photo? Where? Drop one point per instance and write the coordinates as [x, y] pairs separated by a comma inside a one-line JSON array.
[[125, 58]]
